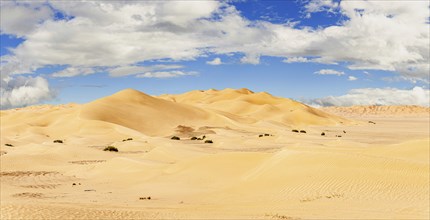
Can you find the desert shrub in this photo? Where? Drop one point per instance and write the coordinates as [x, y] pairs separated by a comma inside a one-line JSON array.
[[111, 148], [323, 134], [260, 135], [58, 141], [208, 141], [339, 136], [294, 130], [302, 131], [9, 145], [203, 137], [194, 138], [145, 198], [371, 122], [344, 132], [266, 134], [175, 138], [128, 139]]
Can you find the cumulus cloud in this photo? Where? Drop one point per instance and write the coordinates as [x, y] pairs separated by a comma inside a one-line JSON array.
[[133, 70], [22, 91], [73, 71], [329, 72], [352, 78], [375, 34], [118, 35], [377, 96], [413, 80], [166, 74], [319, 6], [296, 60], [251, 59], [21, 18], [216, 61]]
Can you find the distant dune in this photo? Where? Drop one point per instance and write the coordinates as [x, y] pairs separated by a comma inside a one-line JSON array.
[[53, 163], [257, 106], [372, 110]]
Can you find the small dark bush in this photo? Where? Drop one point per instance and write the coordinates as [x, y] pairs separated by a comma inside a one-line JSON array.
[[9, 145], [175, 138], [302, 131], [203, 137], [111, 148], [266, 134], [128, 139], [371, 122], [208, 141], [260, 135], [339, 136], [294, 130], [323, 134], [58, 141], [194, 138], [344, 132], [145, 198]]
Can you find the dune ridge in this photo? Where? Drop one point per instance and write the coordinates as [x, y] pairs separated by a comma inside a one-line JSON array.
[[257, 106]]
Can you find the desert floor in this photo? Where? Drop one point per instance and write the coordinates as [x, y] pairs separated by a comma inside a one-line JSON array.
[[374, 170]]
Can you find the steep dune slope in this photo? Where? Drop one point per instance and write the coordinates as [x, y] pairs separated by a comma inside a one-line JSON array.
[[147, 114]]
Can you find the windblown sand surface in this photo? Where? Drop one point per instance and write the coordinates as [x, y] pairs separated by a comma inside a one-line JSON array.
[[356, 170]]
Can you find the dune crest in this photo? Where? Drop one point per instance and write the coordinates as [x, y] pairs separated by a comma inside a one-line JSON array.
[[260, 106]]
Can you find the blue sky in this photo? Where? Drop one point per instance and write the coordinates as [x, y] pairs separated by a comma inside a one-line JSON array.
[[321, 52]]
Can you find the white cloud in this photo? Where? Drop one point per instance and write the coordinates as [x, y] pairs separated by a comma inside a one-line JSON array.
[[22, 91], [376, 35], [216, 61], [377, 96], [250, 59], [296, 60], [166, 74], [133, 70], [329, 72], [413, 80], [320, 5], [352, 78], [21, 18], [73, 71]]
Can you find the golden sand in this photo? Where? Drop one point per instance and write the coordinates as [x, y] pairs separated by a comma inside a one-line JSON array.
[[357, 170]]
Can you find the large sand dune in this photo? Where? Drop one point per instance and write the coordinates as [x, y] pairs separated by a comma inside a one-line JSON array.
[[357, 170]]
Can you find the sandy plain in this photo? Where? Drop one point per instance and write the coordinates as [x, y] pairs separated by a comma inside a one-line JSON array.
[[372, 162]]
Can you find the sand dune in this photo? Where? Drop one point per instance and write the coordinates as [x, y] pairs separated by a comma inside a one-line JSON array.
[[257, 106], [356, 170], [372, 110], [150, 115]]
